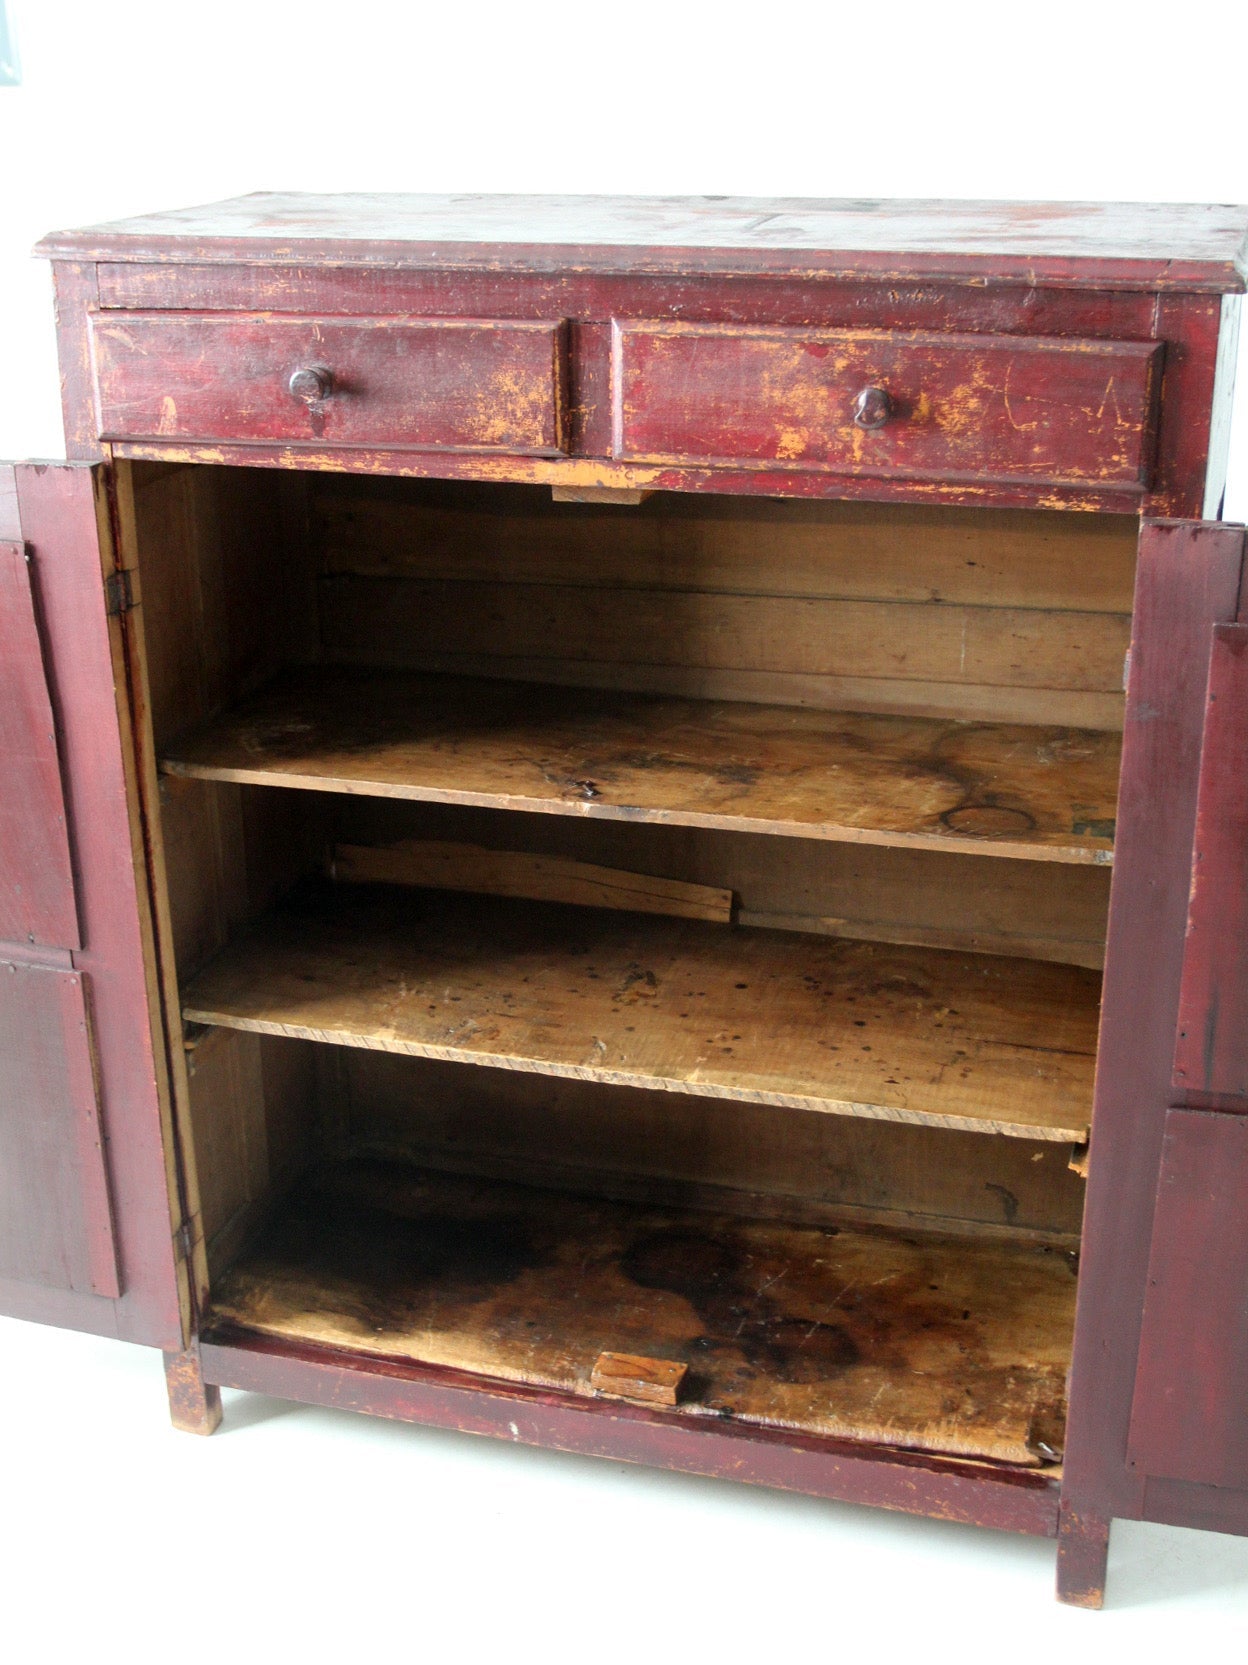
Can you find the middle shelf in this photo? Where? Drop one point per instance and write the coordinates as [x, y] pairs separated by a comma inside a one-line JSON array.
[[976, 1042]]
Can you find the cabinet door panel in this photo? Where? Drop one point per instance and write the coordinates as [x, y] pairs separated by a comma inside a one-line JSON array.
[[51, 1140], [1212, 1051], [36, 882], [87, 1236], [1189, 1420]]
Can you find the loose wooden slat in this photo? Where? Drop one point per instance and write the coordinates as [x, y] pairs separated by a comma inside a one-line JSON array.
[[851, 1028], [629, 1376], [440, 865], [994, 789], [932, 1343]]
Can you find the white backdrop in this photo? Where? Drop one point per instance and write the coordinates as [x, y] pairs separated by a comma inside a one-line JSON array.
[[313, 1533]]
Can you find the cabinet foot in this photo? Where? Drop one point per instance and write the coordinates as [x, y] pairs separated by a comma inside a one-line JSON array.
[[194, 1405], [1082, 1554]]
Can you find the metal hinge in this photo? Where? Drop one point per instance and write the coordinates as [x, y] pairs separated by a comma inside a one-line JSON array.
[[119, 593], [185, 1240]]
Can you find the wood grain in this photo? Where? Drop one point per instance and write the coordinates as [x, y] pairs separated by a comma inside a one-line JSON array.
[[440, 865], [452, 529], [952, 1040], [629, 1376], [944, 1345], [1044, 794]]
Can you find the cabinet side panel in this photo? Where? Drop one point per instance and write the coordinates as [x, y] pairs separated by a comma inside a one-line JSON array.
[[1188, 1420]]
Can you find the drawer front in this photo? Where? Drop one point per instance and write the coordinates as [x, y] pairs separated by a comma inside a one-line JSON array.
[[1024, 410], [476, 384]]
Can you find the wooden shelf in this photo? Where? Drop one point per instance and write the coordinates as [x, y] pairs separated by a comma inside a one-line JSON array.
[[955, 1345], [997, 789], [977, 1042]]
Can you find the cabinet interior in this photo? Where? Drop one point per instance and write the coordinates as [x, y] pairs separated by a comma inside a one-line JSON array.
[[671, 930]]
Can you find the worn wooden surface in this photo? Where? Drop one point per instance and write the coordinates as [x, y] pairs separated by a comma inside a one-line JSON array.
[[955, 406], [630, 1376], [441, 865], [56, 1223], [1189, 580], [1009, 1498], [36, 879], [1042, 793], [809, 1022], [1211, 1055], [485, 384], [943, 1345], [1165, 245], [1188, 1421], [194, 1405]]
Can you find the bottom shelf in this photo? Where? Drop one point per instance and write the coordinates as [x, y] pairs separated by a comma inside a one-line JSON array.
[[937, 1344]]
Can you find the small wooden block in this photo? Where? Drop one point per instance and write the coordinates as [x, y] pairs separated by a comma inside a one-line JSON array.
[[629, 1376], [626, 495]]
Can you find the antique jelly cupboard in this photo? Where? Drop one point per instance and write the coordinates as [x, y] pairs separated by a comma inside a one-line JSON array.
[[613, 808]]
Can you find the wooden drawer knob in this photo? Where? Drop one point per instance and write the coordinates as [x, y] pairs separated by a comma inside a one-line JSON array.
[[872, 408], [311, 383]]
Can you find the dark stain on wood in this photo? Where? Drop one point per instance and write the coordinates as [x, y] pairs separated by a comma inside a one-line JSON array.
[[935, 1343]]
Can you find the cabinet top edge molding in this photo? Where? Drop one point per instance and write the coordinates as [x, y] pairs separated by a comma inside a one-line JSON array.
[[1133, 245]]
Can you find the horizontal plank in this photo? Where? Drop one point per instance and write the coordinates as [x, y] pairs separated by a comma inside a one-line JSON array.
[[439, 864], [976, 1042], [398, 621], [942, 1344], [995, 789], [743, 546]]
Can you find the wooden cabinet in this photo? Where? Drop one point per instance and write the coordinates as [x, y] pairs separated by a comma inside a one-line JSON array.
[[580, 867]]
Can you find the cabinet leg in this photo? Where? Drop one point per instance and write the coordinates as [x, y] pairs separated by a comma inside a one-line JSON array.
[[194, 1404], [1082, 1554]]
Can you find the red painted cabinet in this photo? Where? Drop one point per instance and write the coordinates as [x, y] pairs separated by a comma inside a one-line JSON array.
[[575, 862]]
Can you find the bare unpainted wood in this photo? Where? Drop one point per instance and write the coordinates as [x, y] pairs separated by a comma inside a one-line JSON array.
[[645, 1381], [1029, 909], [938, 1344], [631, 1144], [620, 496], [447, 625], [687, 542], [471, 867], [810, 1022], [1042, 793]]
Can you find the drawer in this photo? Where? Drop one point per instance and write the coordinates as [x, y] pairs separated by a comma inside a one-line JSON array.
[[459, 384], [1039, 410]]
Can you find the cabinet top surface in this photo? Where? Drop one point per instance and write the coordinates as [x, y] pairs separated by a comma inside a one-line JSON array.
[[1182, 246]]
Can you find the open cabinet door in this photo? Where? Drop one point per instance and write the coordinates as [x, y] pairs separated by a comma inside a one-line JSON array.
[[1159, 1386], [85, 1220]]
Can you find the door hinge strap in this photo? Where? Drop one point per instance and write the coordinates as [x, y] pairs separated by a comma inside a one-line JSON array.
[[120, 592]]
